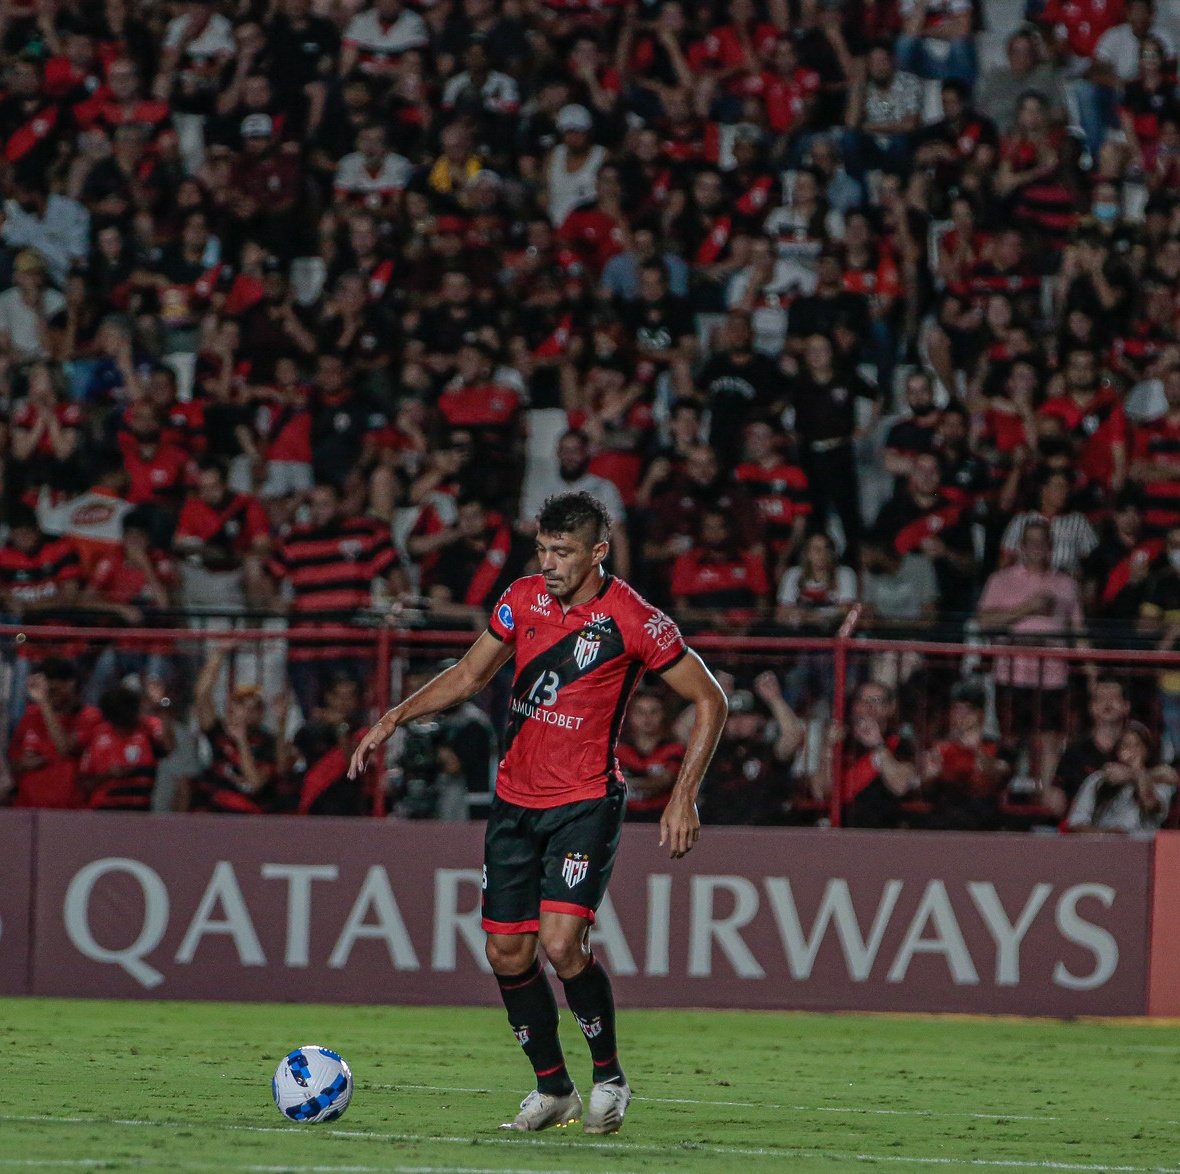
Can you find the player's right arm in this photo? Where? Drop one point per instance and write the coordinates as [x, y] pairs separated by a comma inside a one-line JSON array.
[[479, 665]]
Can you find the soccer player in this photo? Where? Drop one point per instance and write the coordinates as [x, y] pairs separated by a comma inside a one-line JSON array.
[[582, 639]]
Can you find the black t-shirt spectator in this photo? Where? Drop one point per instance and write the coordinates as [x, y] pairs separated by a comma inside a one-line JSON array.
[[827, 411], [739, 387], [338, 430]]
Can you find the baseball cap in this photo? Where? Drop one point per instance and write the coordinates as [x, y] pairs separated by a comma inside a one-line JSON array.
[[574, 117], [257, 126]]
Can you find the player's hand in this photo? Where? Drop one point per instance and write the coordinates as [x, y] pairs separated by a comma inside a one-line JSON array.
[[376, 735], [680, 827]]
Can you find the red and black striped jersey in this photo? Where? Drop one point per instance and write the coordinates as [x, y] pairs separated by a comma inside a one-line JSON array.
[[575, 672], [331, 568], [39, 574], [222, 786], [1158, 441], [135, 756], [779, 491]]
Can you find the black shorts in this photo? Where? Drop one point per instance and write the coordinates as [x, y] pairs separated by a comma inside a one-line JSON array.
[[556, 859]]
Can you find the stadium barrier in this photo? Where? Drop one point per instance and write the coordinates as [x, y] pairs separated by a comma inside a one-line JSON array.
[[322, 910]]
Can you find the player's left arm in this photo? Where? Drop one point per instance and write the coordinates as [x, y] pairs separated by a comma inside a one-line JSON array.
[[680, 825]]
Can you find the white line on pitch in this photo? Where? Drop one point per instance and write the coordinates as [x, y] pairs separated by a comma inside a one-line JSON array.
[[260, 1168], [855, 1110], [629, 1147]]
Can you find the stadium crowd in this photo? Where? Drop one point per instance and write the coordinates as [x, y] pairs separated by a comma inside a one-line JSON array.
[[308, 304]]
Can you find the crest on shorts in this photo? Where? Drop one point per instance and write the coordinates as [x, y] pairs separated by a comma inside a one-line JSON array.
[[586, 649], [574, 868]]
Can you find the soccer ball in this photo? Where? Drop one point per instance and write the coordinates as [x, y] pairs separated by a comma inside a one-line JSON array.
[[312, 1084]]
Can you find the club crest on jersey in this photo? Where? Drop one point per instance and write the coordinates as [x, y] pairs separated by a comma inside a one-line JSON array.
[[586, 650], [574, 868]]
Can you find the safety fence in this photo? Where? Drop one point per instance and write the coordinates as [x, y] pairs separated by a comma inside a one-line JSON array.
[[368, 911], [816, 674]]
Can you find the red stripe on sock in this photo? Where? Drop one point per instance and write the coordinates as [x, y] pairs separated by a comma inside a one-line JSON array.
[[565, 907], [515, 986], [551, 1071], [608, 1060]]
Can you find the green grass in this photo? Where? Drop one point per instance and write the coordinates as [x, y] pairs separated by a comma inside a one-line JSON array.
[[186, 1086]]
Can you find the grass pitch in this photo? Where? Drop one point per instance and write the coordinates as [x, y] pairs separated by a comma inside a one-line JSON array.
[[185, 1086]]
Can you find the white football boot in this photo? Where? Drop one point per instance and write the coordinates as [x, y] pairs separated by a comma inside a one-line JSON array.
[[608, 1103], [541, 1110]]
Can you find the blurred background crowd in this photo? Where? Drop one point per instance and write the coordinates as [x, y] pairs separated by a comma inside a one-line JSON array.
[[308, 304]]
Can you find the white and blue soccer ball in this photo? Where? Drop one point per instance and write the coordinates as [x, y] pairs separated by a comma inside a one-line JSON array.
[[312, 1084]]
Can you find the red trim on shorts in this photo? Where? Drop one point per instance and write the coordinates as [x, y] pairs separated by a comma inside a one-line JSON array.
[[565, 907], [508, 927]]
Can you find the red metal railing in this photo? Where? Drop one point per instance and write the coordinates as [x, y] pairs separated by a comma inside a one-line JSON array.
[[389, 650]]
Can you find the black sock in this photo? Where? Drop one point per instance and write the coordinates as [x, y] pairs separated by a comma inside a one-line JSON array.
[[590, 998], [532, 1013]]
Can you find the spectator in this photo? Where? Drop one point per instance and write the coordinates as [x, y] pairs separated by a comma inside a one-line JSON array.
[[241, 776], [964, 774], [938, 40], [779, 488], [922, 517], [482, 555], [47, 744], [53, 226], [1032, 599], [740, 384], [877, 769], [749, 780], [1131, 794], [223, 539], [716, 573], [121, 759], [915, 433], [377, 37], [1109, 710], [1155, 461], [572, 167], [818, 591], [649, 756], [824, 399], [1074, 539], [373, 175], [30, 313], [330, 565], [884, 107], [1025, 71]]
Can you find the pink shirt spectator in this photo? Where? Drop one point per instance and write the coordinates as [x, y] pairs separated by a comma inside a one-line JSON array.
[[1015, 586]]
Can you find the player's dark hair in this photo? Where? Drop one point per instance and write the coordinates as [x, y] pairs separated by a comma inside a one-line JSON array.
[[574, 513]]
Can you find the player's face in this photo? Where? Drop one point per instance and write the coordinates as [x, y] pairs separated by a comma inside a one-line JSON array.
[[567, 561]]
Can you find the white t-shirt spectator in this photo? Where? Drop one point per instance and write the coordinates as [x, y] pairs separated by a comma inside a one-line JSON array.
[[61, 236], [365, 33], [571, 189], [1122, 812], [1119, 48], [353, 177], [795, 591], [19, 322]]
